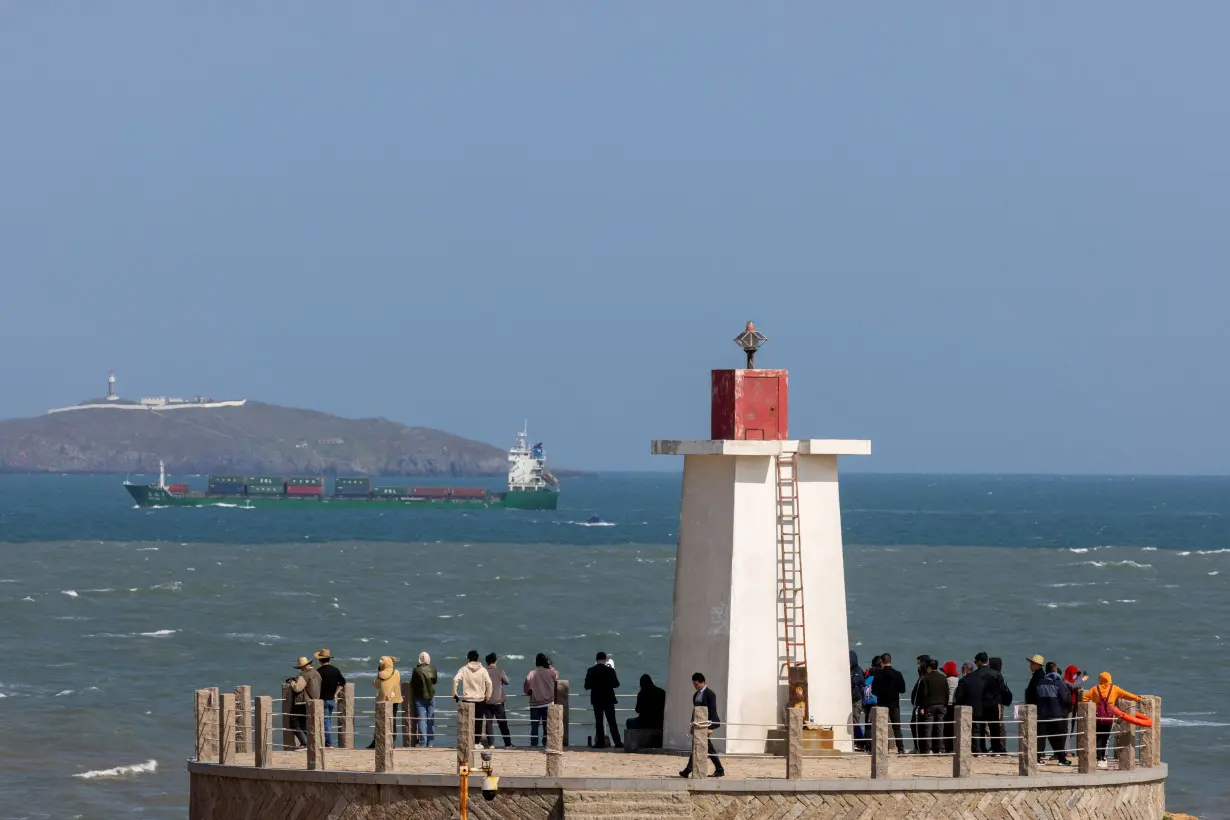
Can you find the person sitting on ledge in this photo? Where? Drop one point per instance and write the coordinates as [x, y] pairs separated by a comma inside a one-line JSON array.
[[650, 713]]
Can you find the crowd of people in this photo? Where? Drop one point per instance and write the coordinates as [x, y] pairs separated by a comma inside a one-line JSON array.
[[483, 684], [939, 688]]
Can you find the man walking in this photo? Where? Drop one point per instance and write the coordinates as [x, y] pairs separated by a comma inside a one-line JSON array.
[[494, 711], [332, 681], [705, 697], [423, 694], [932, 707], [602, 682], [472, 684], [888, 687]]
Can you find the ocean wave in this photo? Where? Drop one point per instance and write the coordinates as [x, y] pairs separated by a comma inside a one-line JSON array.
[[515, 657], [1116, 564], [161, 633], [591, 523], [171, 586], [1075, 584], [72, 593], [63, 692], [1214, 572], [9, 581], [1179, 723], [147, 549], [1057, 605], [147, 767], [1212, 552]]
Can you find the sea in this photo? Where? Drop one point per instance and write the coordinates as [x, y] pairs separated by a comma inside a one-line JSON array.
[[113, 615]]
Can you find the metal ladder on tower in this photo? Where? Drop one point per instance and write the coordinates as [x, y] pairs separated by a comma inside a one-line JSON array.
[[793, 638]]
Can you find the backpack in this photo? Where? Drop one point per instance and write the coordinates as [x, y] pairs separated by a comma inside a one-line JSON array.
[[1105, 714], [869, 699]]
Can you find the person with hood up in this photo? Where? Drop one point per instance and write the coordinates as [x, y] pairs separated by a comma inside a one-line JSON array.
[[1105, 694], [388, 690], [650, 706], [949, 728], [1073, 677], [539, 686], [1053, 698], [423, 694], [857, 680]]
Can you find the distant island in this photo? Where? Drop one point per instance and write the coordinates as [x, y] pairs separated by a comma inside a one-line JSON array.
[[201, 435]]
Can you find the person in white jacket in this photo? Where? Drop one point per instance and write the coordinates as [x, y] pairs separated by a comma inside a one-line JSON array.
[[472, 684]]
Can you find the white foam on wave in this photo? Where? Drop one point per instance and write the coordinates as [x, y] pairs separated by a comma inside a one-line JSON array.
[[171, 586], [1214, 572], [147, 549], [1179, 723], [147, 767], [1148, 549], [1079, 550], [1116, 564], [63, 692], [9, 581], [515, 657], [593, 523], [106, 589], [161, 633], [1184, 553], [1127, 600], [1075, 584], [1057, 605], [1212, 552], [72, 593]]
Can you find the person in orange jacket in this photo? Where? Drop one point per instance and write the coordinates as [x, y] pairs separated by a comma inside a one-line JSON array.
[[1105, 694]]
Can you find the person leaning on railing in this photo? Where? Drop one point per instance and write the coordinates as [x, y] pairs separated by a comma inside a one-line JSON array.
[[388, 690], [1105, 694], [539, 686]]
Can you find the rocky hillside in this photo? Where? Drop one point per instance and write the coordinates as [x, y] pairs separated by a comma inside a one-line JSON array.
[[253, 439]]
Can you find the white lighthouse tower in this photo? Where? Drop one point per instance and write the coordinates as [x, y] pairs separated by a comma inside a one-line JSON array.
[[111, 387], [760, 594]]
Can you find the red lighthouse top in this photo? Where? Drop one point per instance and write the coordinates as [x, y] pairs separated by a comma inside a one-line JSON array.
[[749, 404]]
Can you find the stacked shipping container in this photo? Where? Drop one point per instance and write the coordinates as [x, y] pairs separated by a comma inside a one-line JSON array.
[[352, 487], [305, 486], [226, 485], [266, 485], [394, 492]]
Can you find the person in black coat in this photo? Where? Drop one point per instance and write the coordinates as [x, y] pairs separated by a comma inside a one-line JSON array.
[[1003, 698], [1053, 697], [602, 682], [650, 706], [888, 687], [981, 690], [705, 697]]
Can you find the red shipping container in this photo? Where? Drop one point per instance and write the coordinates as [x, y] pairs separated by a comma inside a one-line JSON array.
[[749, 405], [177, 489], [469, 492], [292, 489], [431, 492]]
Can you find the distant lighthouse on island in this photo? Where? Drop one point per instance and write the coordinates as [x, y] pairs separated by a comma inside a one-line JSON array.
[[112, 401]]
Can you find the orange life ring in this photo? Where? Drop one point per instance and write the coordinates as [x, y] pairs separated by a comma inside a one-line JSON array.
[[1136, 718]]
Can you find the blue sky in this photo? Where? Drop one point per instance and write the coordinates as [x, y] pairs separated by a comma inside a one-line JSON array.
[[988, 237]]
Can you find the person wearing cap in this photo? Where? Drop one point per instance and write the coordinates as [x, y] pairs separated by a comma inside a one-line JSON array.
[[304, 688], [332, 682], [1053, 699]]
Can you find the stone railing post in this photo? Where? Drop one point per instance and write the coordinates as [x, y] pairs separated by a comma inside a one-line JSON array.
[[1027, 765], [881, 737], [1125, 740], [315, 734], [243, 719], [554, 740], [345, 719], [226, 729], [562, 694], [700, 743], [264, 730], [963, 734], [1086, 737], [288, 703], [384, 736], [206, 727], [1150, 747], [794, 744], [407, 709], [465, 731]]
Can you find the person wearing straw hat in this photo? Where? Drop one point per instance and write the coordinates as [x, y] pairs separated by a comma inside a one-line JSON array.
[[331, 683], [305, 687]]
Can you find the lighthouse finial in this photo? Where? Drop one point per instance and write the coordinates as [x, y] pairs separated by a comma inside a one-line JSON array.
[[750, 340]]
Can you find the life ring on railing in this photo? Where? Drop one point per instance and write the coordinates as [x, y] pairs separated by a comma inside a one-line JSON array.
[[1136, 718]]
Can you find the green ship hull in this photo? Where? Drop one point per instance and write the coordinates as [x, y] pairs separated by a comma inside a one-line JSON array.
[[151, 495]]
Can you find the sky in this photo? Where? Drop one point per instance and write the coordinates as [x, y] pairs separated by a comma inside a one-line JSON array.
[[988, 237]]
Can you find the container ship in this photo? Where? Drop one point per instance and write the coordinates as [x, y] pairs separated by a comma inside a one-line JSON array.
[[530, 487]]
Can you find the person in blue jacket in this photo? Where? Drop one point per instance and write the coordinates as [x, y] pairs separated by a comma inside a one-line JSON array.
[[705, 697]]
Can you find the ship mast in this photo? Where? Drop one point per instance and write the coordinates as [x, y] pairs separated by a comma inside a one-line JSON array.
[[162, 474]]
